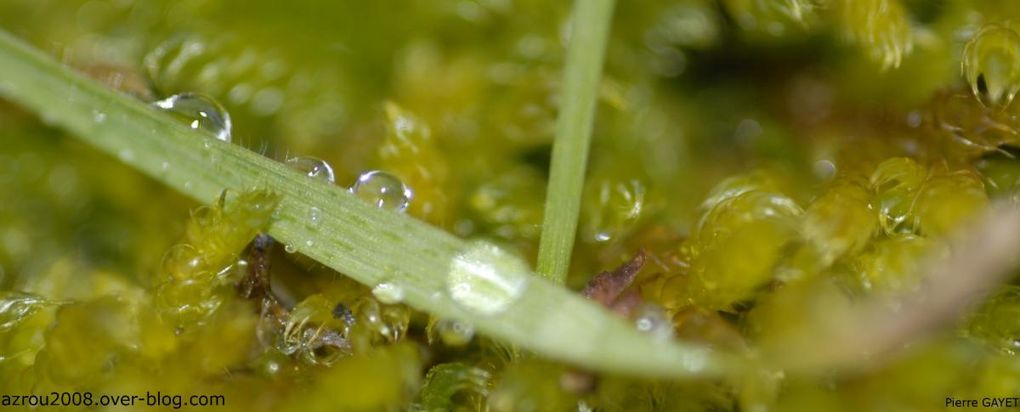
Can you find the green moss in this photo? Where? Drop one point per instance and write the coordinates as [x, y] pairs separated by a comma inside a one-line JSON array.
[[779, 162]]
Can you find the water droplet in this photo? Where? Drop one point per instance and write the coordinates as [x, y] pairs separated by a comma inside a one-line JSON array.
[[98, 116], [314, 215], [165, 166], [314, 168], [309, 243], [289, 248], [454, 332], [388, 293], [824, 169], [653, 320], [382, 190], [486, 279], [914, 119], [198, 112], [388, 323], [126, 155]]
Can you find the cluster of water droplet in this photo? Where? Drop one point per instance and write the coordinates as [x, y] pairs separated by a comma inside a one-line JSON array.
[[379, 188], [378, 323]]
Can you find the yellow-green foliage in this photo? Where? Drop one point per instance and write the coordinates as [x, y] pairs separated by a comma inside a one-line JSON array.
[[778, 161], [199, 274], [382, 379], [409, 152], [453, 387], [880, 26], [997, 323], [990, 64]]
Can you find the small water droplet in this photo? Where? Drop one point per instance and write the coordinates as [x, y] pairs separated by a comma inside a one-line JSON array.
[[382, 190], [653, 320], [98, 116], [824, 169], [289, 248], [314, 215], [198, 111], [126, 155], [309, 243], [486, 279], [454, 332], [914, 119], [388, 293], [165, 166], [314, 168]]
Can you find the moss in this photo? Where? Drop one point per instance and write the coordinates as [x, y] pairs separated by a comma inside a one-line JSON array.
[[777, 162]]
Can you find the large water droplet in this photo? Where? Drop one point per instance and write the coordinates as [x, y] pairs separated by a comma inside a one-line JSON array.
[[382, 190], [312, 167], [388, 293], [199, 112], [486, 279]]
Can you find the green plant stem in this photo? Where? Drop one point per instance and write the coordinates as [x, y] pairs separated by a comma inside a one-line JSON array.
[[368, 244], [581, 74]]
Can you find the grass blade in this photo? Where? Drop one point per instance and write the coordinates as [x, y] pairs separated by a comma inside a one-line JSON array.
[[581, 74], [368, 244]]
